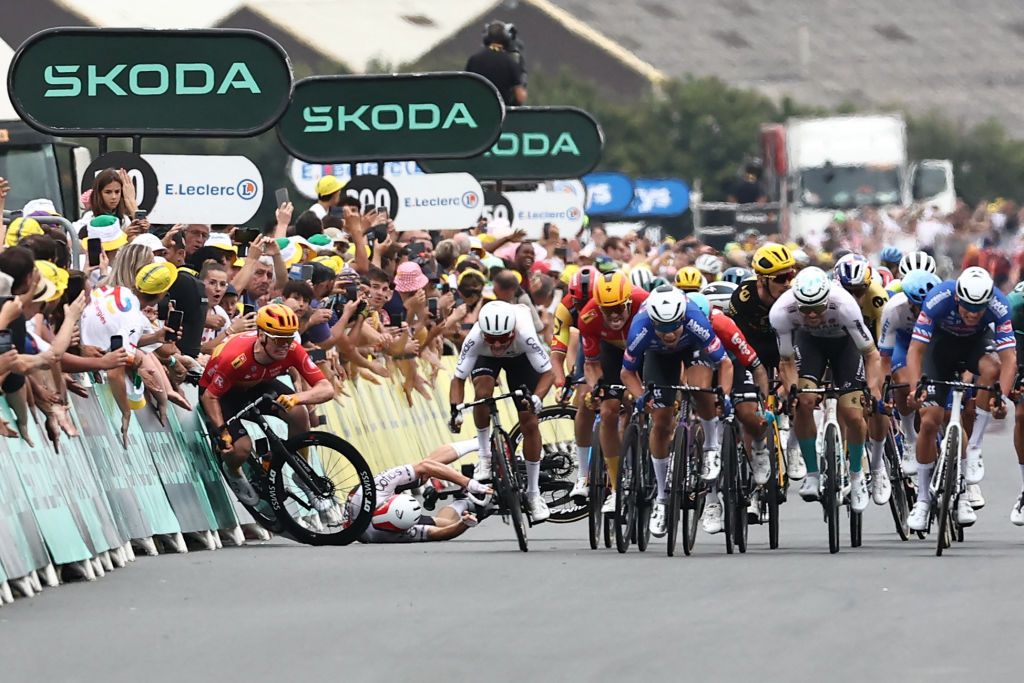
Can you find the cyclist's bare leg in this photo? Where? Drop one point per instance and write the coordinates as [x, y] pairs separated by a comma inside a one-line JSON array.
[[855, 428], [239, 453], [704, 405], [931, 423], [755, 428], [989, 368], [483, 387]]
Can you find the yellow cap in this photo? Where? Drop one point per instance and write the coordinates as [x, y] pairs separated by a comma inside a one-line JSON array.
[[328, 184], [58, 276], [156, 278], [335, 263], [20, 228]]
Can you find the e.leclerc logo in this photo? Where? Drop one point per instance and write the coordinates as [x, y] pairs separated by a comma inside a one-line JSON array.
[[246, 189], [470, 200], [573, 213]]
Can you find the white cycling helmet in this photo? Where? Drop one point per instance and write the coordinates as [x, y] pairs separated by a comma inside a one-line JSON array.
[[811, 287], [397, 513], [974, 287], [916, 260], [641, 277], [719, 294], [709, 263], [498, 319], [853, 270], [667, 305]]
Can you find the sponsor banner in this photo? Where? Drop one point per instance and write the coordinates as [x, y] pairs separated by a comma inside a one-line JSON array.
[[89, 81], [531, 210], [396, 116], [658, 197], [608, 193], [444, 201], [304, 175], [497, 208]]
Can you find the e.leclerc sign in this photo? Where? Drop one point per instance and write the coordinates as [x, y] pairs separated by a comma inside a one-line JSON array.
[[536, 143], [399, 116], [87, 81]]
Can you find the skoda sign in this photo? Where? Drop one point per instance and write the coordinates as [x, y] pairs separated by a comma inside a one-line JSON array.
[[87, 81], [536, 143], [400, 116]]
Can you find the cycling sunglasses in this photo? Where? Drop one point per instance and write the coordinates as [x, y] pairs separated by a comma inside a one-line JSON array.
[[667, 328], [813, 310], [783, 278], [619, 310], [501, 340], [973, 308]]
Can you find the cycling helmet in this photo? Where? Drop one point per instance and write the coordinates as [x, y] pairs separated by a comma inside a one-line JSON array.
[[719, 294], [658, 282], [772, 258], [918, 283], [581, 286], [811, 287], [497, 319], [884, 274], [1019, 287], [667, 305], [613, 289], [689, 279], [801, 258], [277, 320], [853, 270], [641, 277], [397, 513], [974, 287], [736, 275], [890, 255], [916, 260], [605, 264], [709, 263], [701, 301]]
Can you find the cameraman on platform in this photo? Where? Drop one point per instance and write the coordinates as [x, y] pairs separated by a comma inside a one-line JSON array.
[[501, 62]]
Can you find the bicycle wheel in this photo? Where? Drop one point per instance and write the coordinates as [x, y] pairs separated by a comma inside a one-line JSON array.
[[645, 500], [730, 494], [676, 494], [899, 505], [625, 501], [856, 528], [262, 513], [947, 483], [772, 493], [833, 489], [743, 488], [309, 494], [693, 486], [558, 466], [598, 490], [507, 486]]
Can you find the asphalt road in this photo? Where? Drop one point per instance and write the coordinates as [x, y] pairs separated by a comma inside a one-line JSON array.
[[477, 608]]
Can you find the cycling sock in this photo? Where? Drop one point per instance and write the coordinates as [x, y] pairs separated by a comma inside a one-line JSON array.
[[760, 445], [907, 423], [876, 454], [809, 449], [483, 441], [465, 447], [532, 477], [924, 481], [712, 439], [583, 458], [856, 457], [980, 425], [613, 470], [661, 474], [1022, 472]]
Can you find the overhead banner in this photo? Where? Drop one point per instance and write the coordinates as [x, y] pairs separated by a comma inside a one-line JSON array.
[[658, 197], [188, 189], [397, 116], [196, 83], [608, 193], [443, 201], [531, 210], [536, 143], [304, 175]]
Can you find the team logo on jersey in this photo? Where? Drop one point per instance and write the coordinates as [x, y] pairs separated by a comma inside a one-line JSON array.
[[588, 316], [997, 307], [878, 302], [239, 361], [744, 294], [1005, 327]]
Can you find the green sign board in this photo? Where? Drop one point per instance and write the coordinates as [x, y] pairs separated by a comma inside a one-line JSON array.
[[536, 143], [400, 116], [87, 81]]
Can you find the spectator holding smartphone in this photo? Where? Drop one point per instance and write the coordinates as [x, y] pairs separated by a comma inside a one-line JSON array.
[[220, 325]]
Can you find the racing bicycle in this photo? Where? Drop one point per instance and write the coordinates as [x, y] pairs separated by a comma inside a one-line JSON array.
[[687, 491]]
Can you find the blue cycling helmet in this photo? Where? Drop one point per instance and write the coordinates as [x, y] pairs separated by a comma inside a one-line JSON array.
[[890, 255], [736, 274], [701, 301], [918, 283]]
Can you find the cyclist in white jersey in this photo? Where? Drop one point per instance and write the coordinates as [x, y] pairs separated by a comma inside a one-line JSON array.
[[825, 323], [505, 338]]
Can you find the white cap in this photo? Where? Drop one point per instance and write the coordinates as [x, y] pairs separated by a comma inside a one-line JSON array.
[[150, 241]]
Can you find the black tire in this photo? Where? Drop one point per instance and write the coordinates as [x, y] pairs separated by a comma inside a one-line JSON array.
[[694, 497], [645, 500], [625, 501], [772, 495], [946, 493], [262, 513], [832, 491], [507, 486], [899, 504], [676, 478], [342, 469], [564, 510], [730, 494], [598, 490], [743, 482], [608, 531], [856, 528]]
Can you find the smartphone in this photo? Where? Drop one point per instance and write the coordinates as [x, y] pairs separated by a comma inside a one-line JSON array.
[[6, 344], [243, 249], [245, 235], [317, 355], [94, 245], [379, 232], [75, 287], [281, 195], [306, 271], [445, 287], [369, 208], [398, 318], [247, 309], [173, 325], [336, 211], [432, 307], [116, 342], [352, 292], [141, 214], [360, 307]]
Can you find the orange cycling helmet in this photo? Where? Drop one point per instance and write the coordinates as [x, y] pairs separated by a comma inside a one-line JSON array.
[[277, 320], [613, 289]]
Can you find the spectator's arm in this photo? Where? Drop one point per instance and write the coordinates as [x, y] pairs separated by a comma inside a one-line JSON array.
[[355, 226], [516, 236], [284, 218], [242, 277]]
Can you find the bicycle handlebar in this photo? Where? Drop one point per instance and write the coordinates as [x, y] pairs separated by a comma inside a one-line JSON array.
[[491, 400], [250, 408]]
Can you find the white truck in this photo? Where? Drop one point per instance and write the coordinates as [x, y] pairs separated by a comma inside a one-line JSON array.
[[815, 167]]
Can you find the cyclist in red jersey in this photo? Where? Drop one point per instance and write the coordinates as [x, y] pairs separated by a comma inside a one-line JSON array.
[[245, 367]]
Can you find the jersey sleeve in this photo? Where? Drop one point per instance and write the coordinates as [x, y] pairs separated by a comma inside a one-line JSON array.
[[872, 306], [301, 361], [216, 379], [535, 352], [783, 326], [732, 338], [590, 332], [699, 329], [891, 314], [470, 352], [640, 336], [562, 326], [853, 320], [1002, 323], [934, 307]]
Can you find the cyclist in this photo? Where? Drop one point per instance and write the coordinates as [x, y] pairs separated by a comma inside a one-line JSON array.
[[751, 303], [890, 258], [504, 338], [898, 319], [736, 275], [1016, 298], [823, 321], [954, 328], [689, 279], [710, 266], [247, 366], [854, 274], [567, 313], [604, 326], [914, 260], [641, 277], [668, 336]]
